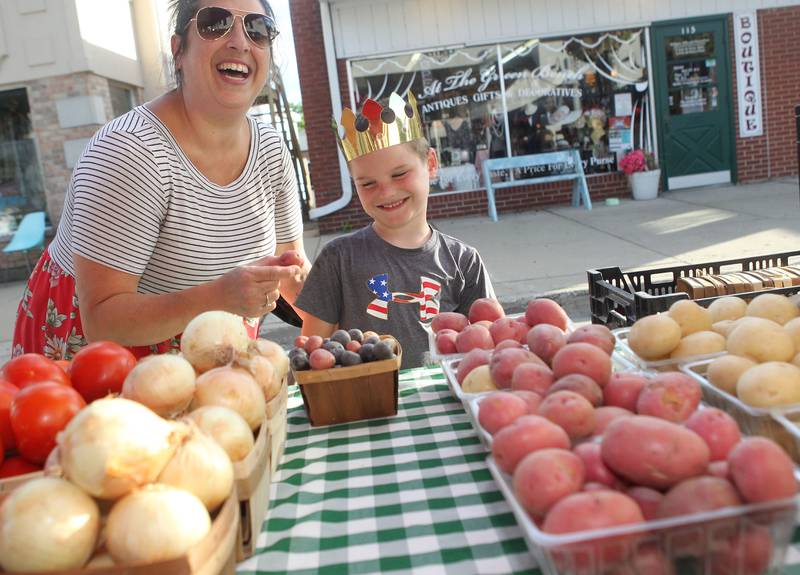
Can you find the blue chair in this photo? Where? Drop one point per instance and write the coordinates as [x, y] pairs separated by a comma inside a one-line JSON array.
[[29, 235]]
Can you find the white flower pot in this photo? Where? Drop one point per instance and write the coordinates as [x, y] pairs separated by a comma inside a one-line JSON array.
[[644, 185]]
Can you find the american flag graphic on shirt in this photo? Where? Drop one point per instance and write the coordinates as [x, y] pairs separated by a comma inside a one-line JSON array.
[[427, 297]]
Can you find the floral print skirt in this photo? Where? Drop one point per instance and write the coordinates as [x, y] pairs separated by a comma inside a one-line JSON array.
[[49, 320]]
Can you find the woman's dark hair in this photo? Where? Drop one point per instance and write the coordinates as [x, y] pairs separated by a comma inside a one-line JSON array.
[[182, 11]]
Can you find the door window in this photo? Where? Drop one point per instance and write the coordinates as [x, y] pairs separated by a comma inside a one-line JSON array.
[[691, 73]]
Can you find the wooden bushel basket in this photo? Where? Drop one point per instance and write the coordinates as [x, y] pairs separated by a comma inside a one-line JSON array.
[[214, 555], [343, 394]]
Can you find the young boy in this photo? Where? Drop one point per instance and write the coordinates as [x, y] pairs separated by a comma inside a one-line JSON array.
[[396, 274]]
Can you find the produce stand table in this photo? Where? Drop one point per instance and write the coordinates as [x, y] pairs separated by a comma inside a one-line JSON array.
[[407, 494]]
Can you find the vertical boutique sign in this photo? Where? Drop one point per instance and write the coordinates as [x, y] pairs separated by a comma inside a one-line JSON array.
[[748, 74]]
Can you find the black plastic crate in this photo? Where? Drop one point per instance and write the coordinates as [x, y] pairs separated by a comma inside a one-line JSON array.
[[618, 298]]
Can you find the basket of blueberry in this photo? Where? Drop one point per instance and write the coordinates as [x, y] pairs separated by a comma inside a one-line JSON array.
[[348, 377]]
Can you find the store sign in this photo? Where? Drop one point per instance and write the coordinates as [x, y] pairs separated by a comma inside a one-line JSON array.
[[748, 74]]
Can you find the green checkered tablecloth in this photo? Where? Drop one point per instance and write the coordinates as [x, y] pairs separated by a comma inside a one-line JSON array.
[[407, 494]]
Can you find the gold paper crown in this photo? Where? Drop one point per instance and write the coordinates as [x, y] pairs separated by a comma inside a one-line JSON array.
[[377, 127]]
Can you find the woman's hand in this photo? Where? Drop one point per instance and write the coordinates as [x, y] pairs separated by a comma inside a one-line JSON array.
[[251, 290]]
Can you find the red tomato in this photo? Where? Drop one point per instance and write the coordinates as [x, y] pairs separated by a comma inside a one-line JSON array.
[[38, 413], [31, 368], [100, 368], [63, 364], [14, 466], [7, 393]]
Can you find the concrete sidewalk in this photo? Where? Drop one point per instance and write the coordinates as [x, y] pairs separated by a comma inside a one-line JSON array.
[[548, 251]]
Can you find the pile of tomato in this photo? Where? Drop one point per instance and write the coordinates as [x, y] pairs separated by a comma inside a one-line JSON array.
[[39, 396]]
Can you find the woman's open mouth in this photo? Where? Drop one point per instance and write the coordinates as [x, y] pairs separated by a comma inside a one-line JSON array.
[[234, 70]]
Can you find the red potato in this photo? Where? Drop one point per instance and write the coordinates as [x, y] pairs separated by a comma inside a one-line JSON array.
[[720, 469], [761, 470], [580, 384], [504, 362], [648, 499], [527, 434], [695, 495], [300, 340], [533, 399], [585, 359], [647, 559], [698, 494], [622, 390], [508, 344], [485, 309], [718, 429], [291, 258], [532, 377], [445, 340], [571, 411], [672, 396], [321, 359], [595, 486], [473, 359], [594, 334], [474, 337], [605, 414], [545, 310], [354, 346], [545, 340], [313, 342], [546, 476], [596, 470], [503, 329], [500, 408], [449, 320], [484, 323], [522, 329], [653, 452], [590, 511], [746, 553]]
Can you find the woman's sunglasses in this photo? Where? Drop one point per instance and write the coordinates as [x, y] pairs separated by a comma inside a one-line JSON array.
[[214, 23]]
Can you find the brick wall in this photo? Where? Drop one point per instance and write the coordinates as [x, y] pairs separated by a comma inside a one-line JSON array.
[[50, 137], [775, 153]]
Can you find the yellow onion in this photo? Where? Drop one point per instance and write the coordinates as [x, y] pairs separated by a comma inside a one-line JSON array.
[[273, 352], [262, 370], [155, 523], [201, 467], [227, 428], [47, 524], [164, 383], [100, 560], [234, 389], [114, 445], [212, 339], [52, 465]]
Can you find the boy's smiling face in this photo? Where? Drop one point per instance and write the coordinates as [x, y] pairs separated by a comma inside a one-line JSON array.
[[393, 186]]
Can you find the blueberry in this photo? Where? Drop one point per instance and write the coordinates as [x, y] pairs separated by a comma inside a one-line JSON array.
[[350, 358], [335, 348], [300, 362], [366, 352], [383, 350], [341, 336], [297, 351], [356, 335]]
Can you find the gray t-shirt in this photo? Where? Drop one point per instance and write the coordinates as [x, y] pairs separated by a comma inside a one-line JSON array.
[[361, 281]]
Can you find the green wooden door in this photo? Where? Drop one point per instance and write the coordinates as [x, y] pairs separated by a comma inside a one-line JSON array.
[[693, 101]]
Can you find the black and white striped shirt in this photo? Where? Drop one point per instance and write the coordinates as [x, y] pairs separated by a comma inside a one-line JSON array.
[[137, 204]]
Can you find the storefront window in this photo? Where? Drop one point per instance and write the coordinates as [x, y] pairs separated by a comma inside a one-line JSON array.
[[584, 93], [459, 101], [587, 93], [21, 188]]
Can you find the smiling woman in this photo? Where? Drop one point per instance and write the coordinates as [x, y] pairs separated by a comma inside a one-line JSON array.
[[177, 207]]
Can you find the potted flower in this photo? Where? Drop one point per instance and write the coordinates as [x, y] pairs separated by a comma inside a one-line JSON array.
[[643, 174]]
